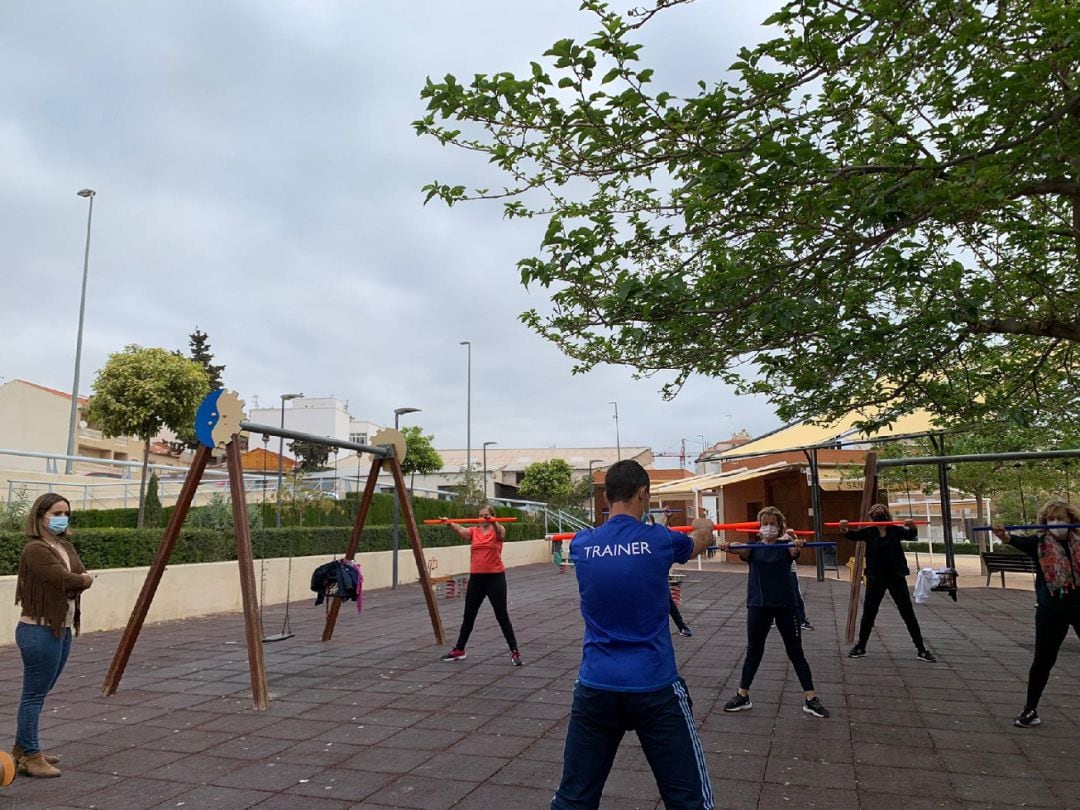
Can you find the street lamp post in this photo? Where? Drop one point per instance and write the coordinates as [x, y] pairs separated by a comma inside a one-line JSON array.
[[468, 416], [485, 447], [618, 447], [398, 412], [73, 425], [281, 458], [592, 490]]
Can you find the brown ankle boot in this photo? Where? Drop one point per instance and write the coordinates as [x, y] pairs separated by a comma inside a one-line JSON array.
[[17, 754], [36, 765]]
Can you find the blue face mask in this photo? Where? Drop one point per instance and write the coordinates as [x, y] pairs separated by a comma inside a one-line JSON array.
[[58, 524]]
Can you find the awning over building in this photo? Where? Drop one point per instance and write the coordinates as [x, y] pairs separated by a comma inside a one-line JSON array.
[[830, 480]]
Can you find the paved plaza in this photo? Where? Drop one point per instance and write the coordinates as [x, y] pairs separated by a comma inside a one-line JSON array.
[[373, 719]]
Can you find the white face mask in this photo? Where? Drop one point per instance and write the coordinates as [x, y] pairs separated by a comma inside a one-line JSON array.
[[1058, 530], [769, 532]]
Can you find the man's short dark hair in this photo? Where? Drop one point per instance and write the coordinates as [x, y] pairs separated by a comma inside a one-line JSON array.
[[624, 479]]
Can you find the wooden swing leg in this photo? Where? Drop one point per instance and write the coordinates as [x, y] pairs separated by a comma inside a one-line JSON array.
[[249, 595], [153, 576]]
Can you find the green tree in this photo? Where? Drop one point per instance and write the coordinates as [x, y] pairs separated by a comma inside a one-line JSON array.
[[313, 456], [199, 345], [548, 481], [139, 391], [199, 351], [878, 207], [153, 511], [420, 455]]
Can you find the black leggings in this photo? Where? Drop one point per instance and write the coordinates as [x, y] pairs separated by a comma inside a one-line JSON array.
[[898, 590], [492, 586], [673, 611], [1051, 627], [758, 622]]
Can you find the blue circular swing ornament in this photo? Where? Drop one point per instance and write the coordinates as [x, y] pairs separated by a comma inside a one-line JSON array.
[[218, 418]]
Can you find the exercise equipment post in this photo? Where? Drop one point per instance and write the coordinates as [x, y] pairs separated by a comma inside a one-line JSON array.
[[868, 493]]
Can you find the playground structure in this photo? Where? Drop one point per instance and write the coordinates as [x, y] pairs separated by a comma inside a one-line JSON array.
[[218, 424]]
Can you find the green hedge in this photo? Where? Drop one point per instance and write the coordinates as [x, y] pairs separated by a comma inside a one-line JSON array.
[[319, 513], [128, 548], [958, 548]]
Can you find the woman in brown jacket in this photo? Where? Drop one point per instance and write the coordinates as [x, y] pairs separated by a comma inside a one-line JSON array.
[[51, 578]]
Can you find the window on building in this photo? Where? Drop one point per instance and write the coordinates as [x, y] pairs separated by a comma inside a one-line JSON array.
[[358, 438]]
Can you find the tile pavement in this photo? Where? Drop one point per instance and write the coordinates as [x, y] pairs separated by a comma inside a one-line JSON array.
[[373, 719]]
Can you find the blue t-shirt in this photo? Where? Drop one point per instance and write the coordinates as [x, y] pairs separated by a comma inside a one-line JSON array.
[[622, 573], [769, 583]]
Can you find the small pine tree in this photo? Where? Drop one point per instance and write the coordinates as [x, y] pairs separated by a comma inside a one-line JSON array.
[[201, 354], [152, 511]]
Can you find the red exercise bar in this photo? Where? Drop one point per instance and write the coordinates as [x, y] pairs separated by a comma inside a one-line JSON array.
[[879, 523], [472, 520]]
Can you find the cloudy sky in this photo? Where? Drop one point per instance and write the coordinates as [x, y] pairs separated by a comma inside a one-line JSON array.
[[257, 176]]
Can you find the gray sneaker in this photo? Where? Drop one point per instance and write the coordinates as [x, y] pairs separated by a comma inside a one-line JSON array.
[[738, 703]]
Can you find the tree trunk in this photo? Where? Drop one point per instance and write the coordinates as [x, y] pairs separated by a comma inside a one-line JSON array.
[[983, 537], [142, 485]]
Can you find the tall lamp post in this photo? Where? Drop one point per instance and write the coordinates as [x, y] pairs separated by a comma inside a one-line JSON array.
[[485, 447], [281, 458], [87, 193], [398, 412], [618, 447], [592, 489], [468, 415]]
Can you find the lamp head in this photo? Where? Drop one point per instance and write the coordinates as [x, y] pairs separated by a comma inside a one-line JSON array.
[[86, 192], [400, 411]]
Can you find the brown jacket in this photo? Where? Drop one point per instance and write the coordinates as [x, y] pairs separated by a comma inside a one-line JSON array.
[[45, 584]]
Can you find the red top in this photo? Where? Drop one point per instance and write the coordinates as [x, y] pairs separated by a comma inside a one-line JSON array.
[[486, 549]]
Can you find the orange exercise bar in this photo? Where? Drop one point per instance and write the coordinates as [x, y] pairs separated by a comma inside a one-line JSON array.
[[471, 520], [878, 523], [806, 532]]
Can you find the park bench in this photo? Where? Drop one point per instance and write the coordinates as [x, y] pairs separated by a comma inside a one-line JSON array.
[[1000, 562]]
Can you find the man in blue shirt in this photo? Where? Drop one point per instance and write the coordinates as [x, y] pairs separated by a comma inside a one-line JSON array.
[[628, 679]]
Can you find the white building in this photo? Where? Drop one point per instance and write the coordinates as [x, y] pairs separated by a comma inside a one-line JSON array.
[[319, 416]]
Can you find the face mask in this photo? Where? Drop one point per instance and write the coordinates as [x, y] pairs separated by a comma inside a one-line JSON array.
[[1059, 531], [769, 532], [58, 524]]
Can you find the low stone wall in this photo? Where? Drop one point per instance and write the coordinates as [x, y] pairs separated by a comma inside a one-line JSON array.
[[200, 589]]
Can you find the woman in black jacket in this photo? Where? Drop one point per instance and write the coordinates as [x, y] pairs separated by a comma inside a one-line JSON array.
[[886, 570], [1056, 550]]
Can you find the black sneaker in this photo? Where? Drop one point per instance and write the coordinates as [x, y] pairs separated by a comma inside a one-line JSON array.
[[515, 658], [738, 703], [927, 656], [806, 625], [685, 631], [813, 706], [454, 655], [1027, 718], [858, 651]]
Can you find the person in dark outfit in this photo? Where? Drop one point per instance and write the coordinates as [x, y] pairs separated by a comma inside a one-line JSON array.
[[487, 580], [676, 616], [771, 598], [1056, 551], [628, 678], [886, 571]]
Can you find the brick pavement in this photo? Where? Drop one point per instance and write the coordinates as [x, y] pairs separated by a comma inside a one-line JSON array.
[[374, 719]]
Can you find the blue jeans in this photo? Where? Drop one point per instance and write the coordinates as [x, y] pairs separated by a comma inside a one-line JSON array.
[[664, 723], [44, 656]]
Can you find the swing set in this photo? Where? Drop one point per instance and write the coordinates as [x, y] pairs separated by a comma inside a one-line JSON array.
[[218, 424]]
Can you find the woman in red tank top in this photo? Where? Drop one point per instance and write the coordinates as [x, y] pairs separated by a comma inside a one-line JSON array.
[[487, 579]]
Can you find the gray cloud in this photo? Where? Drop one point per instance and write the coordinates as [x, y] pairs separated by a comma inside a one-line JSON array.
[[257, 175]]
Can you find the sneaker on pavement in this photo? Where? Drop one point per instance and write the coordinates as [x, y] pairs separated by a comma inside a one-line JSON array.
[[685, 631], [454, 655], [927, 656], [814, 706], [738, 703], [515, 658], [858, 651], [806, 625], [1027, 718]]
